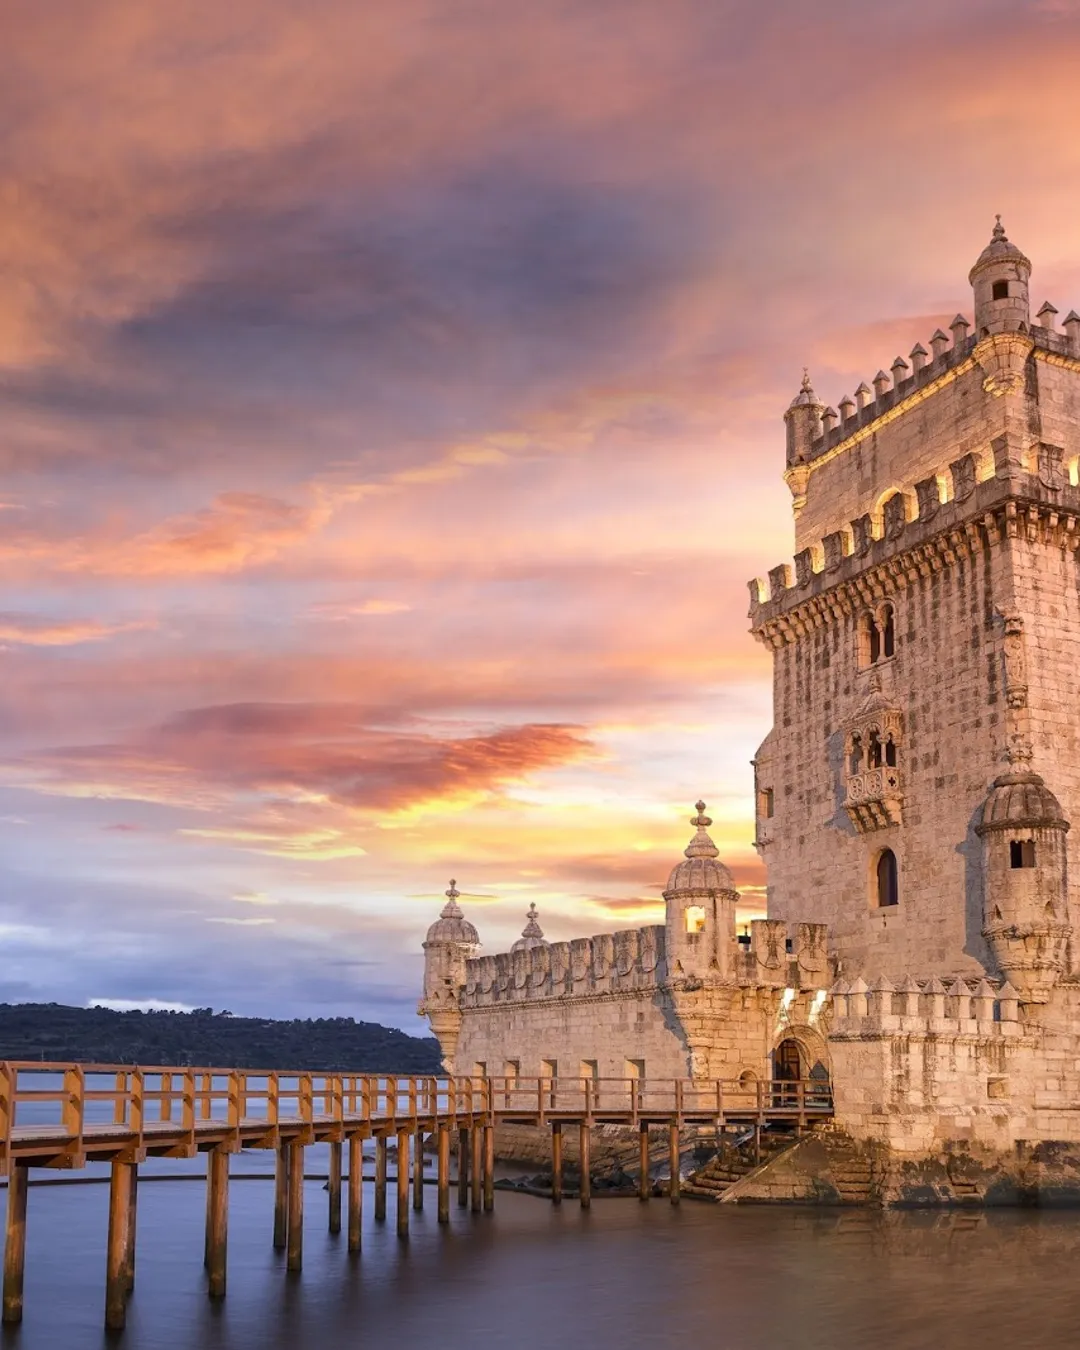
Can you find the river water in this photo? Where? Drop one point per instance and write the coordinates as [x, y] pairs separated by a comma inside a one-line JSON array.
[[624, 1274]]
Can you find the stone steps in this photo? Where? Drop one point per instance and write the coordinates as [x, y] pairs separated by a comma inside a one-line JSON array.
[[732, 1164]]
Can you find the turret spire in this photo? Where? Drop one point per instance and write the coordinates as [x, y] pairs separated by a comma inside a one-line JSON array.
[[701, 846]]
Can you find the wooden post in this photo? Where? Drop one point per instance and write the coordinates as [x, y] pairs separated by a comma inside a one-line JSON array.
[[335, 1186], [673, 1158], [556, 1163], [489, 1167], [281, 1197], [463, 1168], [294, 1258], [116, 1289], [444, 1173], [380, 1178], [477, 1167], [585, 1140], [15, 1243], [133, 1206], [418, 1169], [356, 1189], [644, 1189], [217, 1235], [403, 1184]]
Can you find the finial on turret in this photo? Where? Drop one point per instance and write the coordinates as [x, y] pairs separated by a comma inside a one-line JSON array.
[[998, 231], [701, 846], [532, 935], [452, 910]]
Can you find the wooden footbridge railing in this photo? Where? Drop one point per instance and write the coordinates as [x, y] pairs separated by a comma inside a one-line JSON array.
[[66, 1115]]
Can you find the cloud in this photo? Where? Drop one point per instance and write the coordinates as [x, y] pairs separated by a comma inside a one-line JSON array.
[[33, 630]]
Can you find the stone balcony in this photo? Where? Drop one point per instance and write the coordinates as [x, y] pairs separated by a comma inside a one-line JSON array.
[[874, 798]]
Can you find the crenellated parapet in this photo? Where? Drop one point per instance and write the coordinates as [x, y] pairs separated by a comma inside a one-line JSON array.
[[879, 1008], [776, 955], [610, 963], [966, 508]]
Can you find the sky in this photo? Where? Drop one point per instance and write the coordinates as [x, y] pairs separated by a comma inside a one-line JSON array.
[[391, 419]]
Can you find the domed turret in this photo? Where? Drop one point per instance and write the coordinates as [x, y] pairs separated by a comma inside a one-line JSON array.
[[803, 419], [1000, 280], [700, 899], [450, 941], [1025, 897], [452, 925], [532, 935]]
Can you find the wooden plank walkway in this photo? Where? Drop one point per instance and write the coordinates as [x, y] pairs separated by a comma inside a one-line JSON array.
[[66, 1115]]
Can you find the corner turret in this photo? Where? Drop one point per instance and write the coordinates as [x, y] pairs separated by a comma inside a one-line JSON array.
[[700, 918], [451, 941], [1025, 898], [1000, 281]]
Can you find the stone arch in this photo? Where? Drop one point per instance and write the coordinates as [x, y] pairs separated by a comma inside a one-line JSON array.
[[813, 1046]]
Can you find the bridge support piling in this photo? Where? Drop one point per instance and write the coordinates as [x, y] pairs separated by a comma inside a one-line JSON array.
[[403, 1184], [15, 1244], [133, 1214], [418, 1169], [356, 1189], [281, 1196], [334, 1186], [489, 1168], [217, 1236], [294, 1255], [644, 1189], [585, 1138], [673, 1156], [556, 1163], [463, 1168], [477, 1169], [380, 1178], [444, 1173], [116, 1277]]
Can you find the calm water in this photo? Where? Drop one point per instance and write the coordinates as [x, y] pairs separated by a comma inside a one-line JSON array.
[[622, 1275]]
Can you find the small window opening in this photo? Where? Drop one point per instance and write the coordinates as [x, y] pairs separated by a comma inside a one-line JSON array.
[[873, 759], [875, 643], [767, 803], [887, 888], [890, 753], [1001, 290], [855, 758], [1022, 852], [695, 918]]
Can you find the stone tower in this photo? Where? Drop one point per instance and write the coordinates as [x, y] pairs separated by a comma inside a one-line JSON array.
[[925, 644], [700, 901], [450, 941]]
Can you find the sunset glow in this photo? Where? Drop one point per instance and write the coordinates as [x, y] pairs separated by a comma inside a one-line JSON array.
[[391, 421]]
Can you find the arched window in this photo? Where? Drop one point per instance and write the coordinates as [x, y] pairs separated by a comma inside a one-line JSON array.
[[888, 631], [890, 751], [855, 757], [875, 643], [695, 918], [888, 892], [873, 758]]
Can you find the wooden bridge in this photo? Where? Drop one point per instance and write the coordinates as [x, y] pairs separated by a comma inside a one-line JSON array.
[[66, 1115]]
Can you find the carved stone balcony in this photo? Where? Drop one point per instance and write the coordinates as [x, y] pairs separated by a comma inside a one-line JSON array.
[[874, 798]]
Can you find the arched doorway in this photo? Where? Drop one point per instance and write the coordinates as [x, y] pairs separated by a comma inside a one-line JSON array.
[[787, 1067]]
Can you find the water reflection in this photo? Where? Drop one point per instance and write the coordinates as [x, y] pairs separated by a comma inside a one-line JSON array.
[[623, 1275]]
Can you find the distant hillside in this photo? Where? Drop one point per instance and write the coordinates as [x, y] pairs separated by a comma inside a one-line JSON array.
[[52, 1031]]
